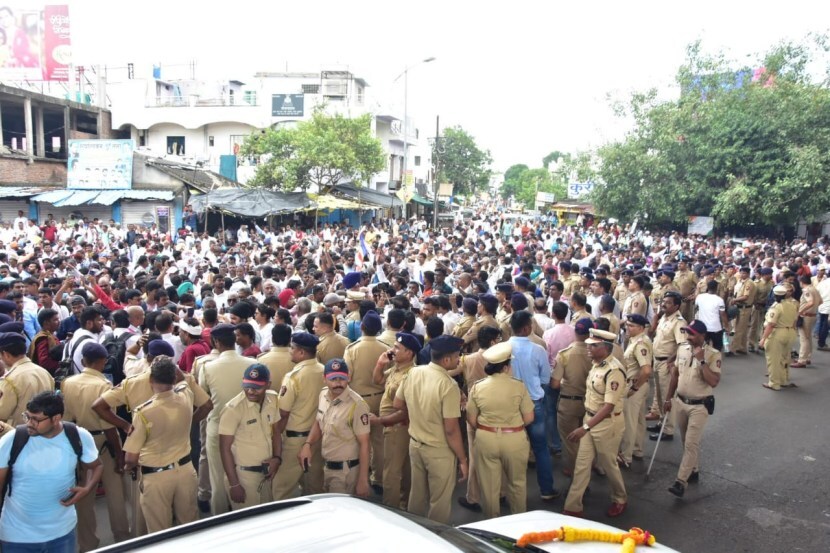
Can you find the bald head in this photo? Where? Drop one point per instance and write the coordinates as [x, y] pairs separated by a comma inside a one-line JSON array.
[[136, 315]]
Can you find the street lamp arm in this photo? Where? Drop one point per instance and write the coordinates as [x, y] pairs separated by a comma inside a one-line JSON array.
[[427, 60]]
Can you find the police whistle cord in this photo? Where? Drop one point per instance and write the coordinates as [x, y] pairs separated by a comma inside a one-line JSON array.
[[629, 540]]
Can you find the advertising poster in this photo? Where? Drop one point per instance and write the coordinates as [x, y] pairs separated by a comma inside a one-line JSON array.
[[100, 165], [34, 42]]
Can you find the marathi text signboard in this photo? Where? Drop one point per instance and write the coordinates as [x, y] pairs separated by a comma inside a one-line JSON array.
[[34, 42], [579, 189], [287, 105], [100, 165]]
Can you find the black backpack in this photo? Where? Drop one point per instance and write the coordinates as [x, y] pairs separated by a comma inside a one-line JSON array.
[[21, 438], [117, 352]]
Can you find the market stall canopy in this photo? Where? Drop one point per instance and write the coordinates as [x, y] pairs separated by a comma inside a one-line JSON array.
[[327, 203], [251, 202], [61, 198], [368, 199]]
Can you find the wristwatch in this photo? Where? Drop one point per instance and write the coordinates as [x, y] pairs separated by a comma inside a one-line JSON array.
[[586, 428]]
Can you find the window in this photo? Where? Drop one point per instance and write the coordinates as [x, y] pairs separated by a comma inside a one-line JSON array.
[[250, 97], [210, 141], [175, 145], [417, 161], [311, 89]]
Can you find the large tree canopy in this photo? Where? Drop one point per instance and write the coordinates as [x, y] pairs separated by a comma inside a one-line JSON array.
[[462, 162], [322, 151], [522, 183], [744, 144]]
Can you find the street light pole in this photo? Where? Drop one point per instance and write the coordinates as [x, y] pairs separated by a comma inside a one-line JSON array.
[[406, 115], [435, 175]]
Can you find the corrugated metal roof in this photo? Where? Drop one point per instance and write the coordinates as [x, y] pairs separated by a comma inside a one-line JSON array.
[[18, 191], [77, 197], [60, 198], [52, 196]]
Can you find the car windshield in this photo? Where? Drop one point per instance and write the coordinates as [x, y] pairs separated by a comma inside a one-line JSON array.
[[460, 538]]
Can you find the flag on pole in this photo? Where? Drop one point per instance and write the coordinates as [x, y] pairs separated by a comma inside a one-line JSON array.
[[364, 254]]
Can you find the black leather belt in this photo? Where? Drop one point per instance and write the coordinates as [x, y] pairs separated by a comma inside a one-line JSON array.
[[575, 398], [152, 470], [338, 465], [689, 401], [372, 395], [608, 416], [255, 468], [97, 432], [744, 306], [295, 434], [660, 358]]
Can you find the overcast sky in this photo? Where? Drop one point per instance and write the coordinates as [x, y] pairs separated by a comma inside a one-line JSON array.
[[524, 78]]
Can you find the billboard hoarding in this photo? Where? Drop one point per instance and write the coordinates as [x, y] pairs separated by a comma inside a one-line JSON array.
[[100, 165], [35, 43], [57, 51]]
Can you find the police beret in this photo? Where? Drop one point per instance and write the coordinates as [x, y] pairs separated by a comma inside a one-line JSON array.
[[628, 272], [351, 280], [669, 274], [12, 326], [222, 330], [7, 306], [306, 340], [408, 341], [522, 281], [583, 326], [600, 336], [499, 353], [336, 368], [469, 303], [489, 301], [11, 338], [371, 322], [256, 376], [504, 287], [638, 319], [518, 301], [5, 318], [565, 265], [744, 269], [159, 347], [446, 344], [765, 271], [242, 309], [93, 351]]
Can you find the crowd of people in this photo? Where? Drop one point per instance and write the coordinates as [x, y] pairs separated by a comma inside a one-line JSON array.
[[218, 371]]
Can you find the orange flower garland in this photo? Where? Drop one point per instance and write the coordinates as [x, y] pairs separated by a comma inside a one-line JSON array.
[[629, 540]]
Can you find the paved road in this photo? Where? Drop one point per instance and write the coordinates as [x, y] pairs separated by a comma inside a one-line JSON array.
[[765, 465]]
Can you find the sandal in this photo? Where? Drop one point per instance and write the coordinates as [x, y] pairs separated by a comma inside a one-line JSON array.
[[768, 387], [621, 461]]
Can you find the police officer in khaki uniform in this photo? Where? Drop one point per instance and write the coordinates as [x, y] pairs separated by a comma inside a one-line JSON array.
[[432, 401], [342, 425], [579, 308], [778, 338], [570, 372], [159, 447], [278, 358], [621, 291], [391, 369], [686, 281], [636, 300], [79, 392], [599, 436], [332, 345], [299, 398], [504, 292], [667, 337], [203, 497], [22, 381], [638, 363], [250, 445], [743, 299], [469, 307], [220, 378], [807, 313], [487, 306], [499, 407], [695, 373], [361, 357], [763, 287]]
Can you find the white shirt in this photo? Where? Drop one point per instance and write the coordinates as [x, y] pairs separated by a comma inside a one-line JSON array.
[[824, 290], [545, 322], [709, 308], [78, 357], [176, 342]]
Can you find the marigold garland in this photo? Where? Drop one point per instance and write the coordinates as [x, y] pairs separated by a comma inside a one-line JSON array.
[[629, 540]]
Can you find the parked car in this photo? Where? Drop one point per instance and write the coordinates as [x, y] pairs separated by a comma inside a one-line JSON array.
[[335, 522]]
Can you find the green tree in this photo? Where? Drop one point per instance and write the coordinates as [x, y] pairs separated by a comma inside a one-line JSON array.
[[532, 181], [511, 180], [745, 144], [463, 163], [322, 151]]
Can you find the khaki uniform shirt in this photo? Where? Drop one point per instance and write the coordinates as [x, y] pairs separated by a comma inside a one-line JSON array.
[[222, 379], [783, 314], [134, 365], [745, 288], [499, 401], [762, 290], [668, 335], [690, 383], [472, 367], [361, 358], [252, 427], [79, 393], [394, 377], [580, 315], [637, 355], [159, 435], [472, 334], [342, 419], [571, 368], [300, 393], [431, 396], [686, 282], [22, 381], [635, 303], [331, 346], [200, 362], [615, 322], [809, 295], [136, 390], [278, 361], [388, 337], [463, 325], [606, 384], [621, 293]]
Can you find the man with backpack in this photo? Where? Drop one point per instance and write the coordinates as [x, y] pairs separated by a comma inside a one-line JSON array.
[[39, 497], [23, 379]]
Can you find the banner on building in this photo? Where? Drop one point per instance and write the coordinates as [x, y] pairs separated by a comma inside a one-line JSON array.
[[701, 225], [100, 165], [287, 105], [545, 198], [34, 42], [579, 189]]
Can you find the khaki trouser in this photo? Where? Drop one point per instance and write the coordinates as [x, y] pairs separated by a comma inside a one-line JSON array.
[[756, 325], [691, 419], [805, 338], [601, 443], [139, 526], [473, 490], [114, 486], [396, 467], [340, 480], [687, 309], [502, 456], [376, 439], [433, 481], [256, 492], [741, 339], [219, 500], [168, 494], [291, 474], [204, 471], [777, 353], [664, 376], [569, 414], [634, 412]]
